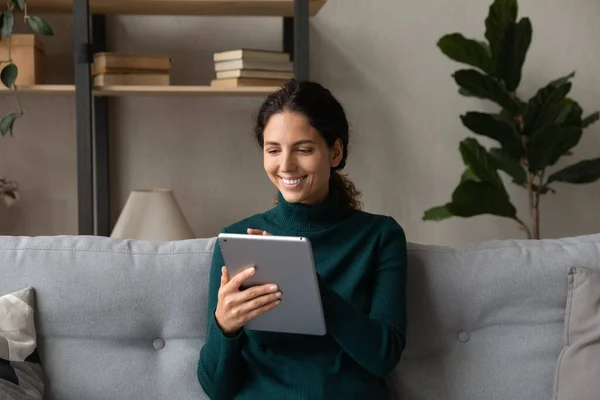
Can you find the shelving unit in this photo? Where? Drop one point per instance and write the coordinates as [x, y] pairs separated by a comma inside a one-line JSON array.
[[91, 103]]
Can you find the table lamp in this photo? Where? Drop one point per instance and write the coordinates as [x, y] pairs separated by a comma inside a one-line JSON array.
[[152, 214]]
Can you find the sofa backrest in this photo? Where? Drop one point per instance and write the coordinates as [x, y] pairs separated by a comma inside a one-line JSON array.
[[115, 319], [121, 319], [486, 320]]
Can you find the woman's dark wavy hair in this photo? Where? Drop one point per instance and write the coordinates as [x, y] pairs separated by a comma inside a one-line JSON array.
[[325, 114]]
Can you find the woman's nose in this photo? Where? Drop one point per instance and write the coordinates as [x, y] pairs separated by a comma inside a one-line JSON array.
[[288, 162]]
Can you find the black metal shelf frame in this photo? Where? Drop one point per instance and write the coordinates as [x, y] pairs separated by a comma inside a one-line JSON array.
[[92, 117]]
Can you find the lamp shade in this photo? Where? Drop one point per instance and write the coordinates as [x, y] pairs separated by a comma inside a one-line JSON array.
[[152, 214]]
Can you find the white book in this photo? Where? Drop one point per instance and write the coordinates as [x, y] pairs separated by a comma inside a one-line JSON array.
[[251, 73], [264, 55], [254, 64]]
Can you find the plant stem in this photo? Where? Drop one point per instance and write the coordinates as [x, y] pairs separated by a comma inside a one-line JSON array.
[[529, 182], [536, 207], [14, 86], [524, 227], [18, 100]]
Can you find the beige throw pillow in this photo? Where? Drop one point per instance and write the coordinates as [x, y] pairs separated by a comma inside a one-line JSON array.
[[578, 368], [20, 369]]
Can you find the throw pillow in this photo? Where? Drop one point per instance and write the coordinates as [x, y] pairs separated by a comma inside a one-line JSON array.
[[578, 368], [20, 368]]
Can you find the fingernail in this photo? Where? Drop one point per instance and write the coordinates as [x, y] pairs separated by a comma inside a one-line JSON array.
[[252, 270], [278, 294], [278, 302], [273, 288]]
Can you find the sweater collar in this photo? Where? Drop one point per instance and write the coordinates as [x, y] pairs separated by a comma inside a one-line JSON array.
[[309, 217]]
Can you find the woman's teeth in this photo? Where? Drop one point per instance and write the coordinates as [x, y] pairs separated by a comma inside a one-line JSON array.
[[291, 181]]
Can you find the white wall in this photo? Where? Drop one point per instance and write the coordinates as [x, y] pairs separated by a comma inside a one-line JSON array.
[[380, 59]]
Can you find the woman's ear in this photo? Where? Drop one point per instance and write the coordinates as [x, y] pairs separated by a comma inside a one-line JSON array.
[[336, 154]]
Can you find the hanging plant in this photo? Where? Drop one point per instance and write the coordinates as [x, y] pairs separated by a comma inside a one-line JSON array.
[[10, 71]]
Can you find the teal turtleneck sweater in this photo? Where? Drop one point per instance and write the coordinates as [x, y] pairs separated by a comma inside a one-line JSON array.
[[360, 260]]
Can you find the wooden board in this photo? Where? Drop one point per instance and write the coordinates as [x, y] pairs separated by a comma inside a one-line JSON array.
[[182, 91], [174, 90], [40, 89], [178, 7]]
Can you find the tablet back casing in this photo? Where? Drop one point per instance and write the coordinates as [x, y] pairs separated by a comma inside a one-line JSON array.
[[287, 262]]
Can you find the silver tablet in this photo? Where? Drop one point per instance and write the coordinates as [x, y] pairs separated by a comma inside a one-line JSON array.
[[286, 261]]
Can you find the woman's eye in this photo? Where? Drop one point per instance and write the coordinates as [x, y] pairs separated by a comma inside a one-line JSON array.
[[273, 151], [305, 151]]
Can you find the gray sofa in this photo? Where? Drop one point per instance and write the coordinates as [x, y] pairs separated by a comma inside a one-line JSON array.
[[119, 319]]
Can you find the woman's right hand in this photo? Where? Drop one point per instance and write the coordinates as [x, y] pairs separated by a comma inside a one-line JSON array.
[[236, 307]]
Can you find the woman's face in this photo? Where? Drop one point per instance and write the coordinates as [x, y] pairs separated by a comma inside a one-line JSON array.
[[297, 158]]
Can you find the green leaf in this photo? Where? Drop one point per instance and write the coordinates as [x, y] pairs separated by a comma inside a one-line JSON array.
[[496, 127], [586, 171], [466, 51], [501, 14], [508, 164], [7, 122], [562, 80], [468, 175], [18, 4], [8, 23], [565, 108], [480, 164], [547, 145], [545, 106], [485, 87], [465, 92], [587, 121], [437, 214], [9, 75], [472, 198], [573, 118], [512, 52], [39, 25]]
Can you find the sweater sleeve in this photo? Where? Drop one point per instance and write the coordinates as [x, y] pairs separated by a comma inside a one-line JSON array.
[[375, 341], [221, 367]]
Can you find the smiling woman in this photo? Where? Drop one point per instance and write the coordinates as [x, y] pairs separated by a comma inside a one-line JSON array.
[[360, 260], [304, 134]]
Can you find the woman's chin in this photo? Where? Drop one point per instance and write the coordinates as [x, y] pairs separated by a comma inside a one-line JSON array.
[[292, 197]]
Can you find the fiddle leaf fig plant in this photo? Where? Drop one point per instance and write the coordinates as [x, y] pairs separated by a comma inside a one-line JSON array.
[[9, 70], [531, 135]]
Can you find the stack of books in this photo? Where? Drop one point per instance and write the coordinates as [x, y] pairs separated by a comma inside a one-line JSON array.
[[131, 69], [249, 67]]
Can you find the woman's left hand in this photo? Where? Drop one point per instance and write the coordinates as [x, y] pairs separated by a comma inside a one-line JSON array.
[[258, 232]]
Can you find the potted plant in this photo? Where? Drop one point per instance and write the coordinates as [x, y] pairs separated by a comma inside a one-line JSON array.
[[532, 135]]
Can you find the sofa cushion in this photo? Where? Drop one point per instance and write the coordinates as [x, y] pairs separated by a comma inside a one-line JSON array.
[[578, 366], [106, 306], [20, 369], [486, 320]]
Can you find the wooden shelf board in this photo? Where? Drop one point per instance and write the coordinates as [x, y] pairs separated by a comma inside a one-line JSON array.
[[41, 89], [173, 90], [179, 7]]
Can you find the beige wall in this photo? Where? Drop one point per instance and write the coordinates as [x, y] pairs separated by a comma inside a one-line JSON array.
[[379, 58]]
